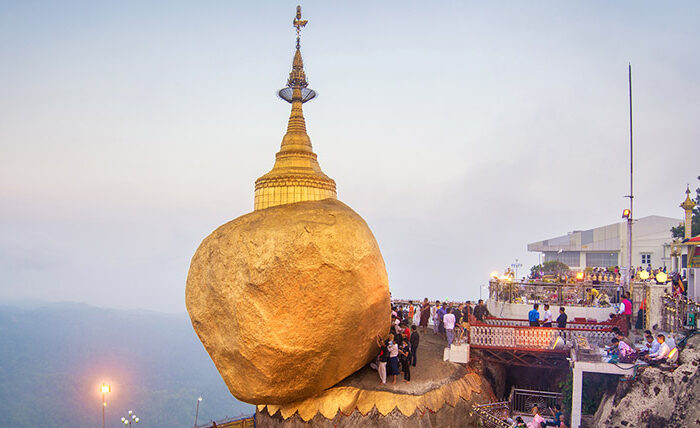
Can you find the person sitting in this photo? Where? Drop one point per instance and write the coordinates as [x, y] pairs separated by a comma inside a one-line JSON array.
[[622, 338], [650, 344], [625, 353], [658, 357]]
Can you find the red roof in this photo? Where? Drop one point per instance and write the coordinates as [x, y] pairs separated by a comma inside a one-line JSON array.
[[696, 239]]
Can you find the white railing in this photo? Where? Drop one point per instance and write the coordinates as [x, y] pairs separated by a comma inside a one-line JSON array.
[[525, 337]]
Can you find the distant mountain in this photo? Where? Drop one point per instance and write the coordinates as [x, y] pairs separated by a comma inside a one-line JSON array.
[[54, 357]]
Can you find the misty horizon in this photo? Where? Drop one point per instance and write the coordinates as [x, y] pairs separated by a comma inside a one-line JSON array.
[[460, 132]]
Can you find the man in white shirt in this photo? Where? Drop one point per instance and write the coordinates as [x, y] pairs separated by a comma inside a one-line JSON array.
[[448, 320], [547, 321], [659, 356]]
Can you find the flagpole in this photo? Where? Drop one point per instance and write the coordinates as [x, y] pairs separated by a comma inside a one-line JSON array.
[[631, 195]]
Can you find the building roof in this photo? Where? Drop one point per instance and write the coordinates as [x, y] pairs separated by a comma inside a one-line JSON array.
[[608, 237]]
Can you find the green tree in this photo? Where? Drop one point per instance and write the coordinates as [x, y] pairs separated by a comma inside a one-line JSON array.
[[679, 231], [549, 267]]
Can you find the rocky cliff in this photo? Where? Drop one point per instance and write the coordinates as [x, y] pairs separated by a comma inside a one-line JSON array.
[[656, 397]]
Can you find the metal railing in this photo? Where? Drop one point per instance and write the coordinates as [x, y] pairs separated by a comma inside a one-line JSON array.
[[237, 422], [523, 400], [678, 313], [577, 294], [592, 325], [493, 415], [534, 338], [520, 402]]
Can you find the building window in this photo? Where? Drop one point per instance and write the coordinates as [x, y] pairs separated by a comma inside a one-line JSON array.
[[570, 258], [646, 259], [601, 260]]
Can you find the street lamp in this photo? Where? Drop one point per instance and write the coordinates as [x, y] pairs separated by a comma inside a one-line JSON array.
[[105, 389], [481, 288], [131, 418], [196, 413], [516, 265]]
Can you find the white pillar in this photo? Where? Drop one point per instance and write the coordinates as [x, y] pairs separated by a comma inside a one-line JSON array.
[[576, 395]]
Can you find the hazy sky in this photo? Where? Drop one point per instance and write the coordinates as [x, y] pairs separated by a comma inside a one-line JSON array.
[[461, 131]]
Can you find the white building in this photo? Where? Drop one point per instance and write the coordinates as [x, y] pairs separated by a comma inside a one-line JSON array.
[[606, 246]]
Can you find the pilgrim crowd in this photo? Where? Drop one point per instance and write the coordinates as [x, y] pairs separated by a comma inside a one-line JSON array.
[[398, 352], [449, 320]]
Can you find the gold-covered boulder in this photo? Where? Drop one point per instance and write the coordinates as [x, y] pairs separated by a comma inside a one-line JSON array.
[[288, 300]]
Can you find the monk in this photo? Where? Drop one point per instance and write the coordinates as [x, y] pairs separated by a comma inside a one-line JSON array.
[[424, 314]]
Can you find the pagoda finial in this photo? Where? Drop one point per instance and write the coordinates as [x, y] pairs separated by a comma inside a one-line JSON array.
[[299, 24], [297, 77], [296, 175]]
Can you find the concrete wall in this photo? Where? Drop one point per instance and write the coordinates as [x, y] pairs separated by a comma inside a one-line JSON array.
[[519, 311], [649, 235]]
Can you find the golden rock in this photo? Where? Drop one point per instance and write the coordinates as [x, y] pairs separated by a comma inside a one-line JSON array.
[[288, 300]]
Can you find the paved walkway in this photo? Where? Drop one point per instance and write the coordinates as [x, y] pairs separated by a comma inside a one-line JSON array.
[[429, 373]]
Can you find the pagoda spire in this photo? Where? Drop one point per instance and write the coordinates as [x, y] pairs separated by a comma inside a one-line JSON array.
[[296, 175]]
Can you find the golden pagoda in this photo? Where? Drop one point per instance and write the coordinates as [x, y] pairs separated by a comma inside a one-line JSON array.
[[296, 175]]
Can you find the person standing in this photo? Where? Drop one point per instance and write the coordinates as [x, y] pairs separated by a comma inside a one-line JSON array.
[[468, 311], [411, 309], [627, 313], [424, 314], [548, 318], [562, 318], [458, 314], [414, 341], [537, 419], [449, 322], [481, 311], [383, 358], [393, 363], [405, 357], [440, 314], [434, 315], [534, 316], [641, 315]]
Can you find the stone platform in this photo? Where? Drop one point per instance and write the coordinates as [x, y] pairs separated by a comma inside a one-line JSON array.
[[440, 394]]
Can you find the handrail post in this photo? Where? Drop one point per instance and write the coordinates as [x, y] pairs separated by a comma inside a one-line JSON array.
[[510, 294], [559, 294]]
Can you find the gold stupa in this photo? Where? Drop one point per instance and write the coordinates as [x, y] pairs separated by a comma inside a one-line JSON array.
[[288, 299], [296, 175]]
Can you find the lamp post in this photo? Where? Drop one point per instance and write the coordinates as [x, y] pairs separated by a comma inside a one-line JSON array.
[[516, 265], [627, 283], [131, 418], [481, 288], [196, 412], [105, 389]]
